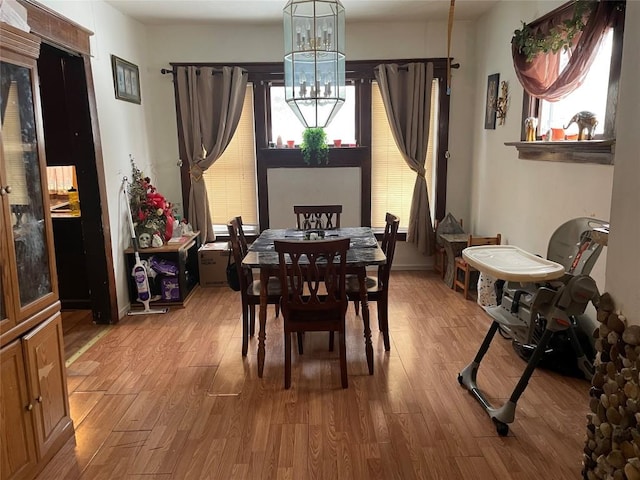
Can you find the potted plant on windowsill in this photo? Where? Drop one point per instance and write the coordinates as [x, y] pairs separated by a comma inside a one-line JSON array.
[[314, 146]]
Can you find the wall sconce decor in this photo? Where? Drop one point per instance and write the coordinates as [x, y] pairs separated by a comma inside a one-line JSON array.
[[502, 103]]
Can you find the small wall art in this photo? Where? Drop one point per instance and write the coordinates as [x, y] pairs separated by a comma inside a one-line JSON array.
[[126, 80], [492, 96]]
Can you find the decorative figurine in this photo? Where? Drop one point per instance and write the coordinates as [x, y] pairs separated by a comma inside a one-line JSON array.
[[144, 240], [585, 121], [530, 124], [156, 241]]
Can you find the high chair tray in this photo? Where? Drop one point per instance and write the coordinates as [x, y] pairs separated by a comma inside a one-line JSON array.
[[507, 262]]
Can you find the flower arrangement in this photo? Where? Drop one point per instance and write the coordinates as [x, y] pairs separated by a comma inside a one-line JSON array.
[[151, 213]]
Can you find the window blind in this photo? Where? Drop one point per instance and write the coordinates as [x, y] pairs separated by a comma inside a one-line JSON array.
[[231, 180]]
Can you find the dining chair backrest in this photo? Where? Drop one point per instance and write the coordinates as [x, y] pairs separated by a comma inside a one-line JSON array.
[[314, 296], [476, 240], [312, 275], [324, 217], [238, 250], [241, 237], [392, 222]]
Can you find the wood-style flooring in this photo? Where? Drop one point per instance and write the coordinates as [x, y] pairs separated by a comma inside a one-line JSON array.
[[79, 331], [169, 396]]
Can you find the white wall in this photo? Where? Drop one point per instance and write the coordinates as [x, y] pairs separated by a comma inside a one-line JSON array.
[[313, 186], [524, 200], [623, 265], [527, 200], [123, 125]]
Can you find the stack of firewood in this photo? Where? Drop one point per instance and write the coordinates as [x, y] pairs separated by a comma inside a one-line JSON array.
[[612, 449]]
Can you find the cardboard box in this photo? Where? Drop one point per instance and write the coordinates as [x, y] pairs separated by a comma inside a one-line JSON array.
[[212, 261]]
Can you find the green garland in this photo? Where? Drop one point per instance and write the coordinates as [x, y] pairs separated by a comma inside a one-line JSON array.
[[314, 145], [559, 37]]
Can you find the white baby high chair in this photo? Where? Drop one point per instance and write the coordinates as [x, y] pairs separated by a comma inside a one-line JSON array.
[[540, 297]]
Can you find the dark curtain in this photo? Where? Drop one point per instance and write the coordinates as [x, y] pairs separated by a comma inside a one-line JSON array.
[[209, 107], [406, 94]]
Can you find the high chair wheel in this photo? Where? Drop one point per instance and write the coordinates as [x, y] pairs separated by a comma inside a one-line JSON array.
[[501, 428]]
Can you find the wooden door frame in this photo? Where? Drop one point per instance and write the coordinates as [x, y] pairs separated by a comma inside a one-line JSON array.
[[60, 32]]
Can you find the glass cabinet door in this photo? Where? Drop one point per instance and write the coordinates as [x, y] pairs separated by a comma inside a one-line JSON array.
[[27, 234]]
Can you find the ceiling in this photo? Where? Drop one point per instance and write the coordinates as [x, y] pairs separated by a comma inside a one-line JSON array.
[[163, 12]]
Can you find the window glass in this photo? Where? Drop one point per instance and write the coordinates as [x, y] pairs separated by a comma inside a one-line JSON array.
[[231, 180], [591, 95], [392, 181], [285, 124]]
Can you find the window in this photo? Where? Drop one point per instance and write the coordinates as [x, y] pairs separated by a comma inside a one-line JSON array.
[[591, 95], [231, 180], [244, 188], [392, 181], [598, 93], [285, 124]]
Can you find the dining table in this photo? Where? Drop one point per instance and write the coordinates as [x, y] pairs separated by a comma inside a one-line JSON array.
[[363, 252]]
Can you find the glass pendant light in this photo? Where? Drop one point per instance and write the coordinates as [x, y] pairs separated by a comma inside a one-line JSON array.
[[314, 59]]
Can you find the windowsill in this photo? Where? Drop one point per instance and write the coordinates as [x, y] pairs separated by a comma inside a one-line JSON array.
[[571, 151]]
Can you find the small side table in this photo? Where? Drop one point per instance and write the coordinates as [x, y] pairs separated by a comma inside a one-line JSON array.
[[453, 244], [184, 253]]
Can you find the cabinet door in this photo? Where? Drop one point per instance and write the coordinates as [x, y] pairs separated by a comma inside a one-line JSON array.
[[27, 222], [44, 349], [17, 447]]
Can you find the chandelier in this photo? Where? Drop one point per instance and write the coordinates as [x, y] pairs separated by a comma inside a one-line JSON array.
[[314, 60]]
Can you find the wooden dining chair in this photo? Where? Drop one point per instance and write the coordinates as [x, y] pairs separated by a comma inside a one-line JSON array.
[[378, 286], [463, 270], [322, 217], [314, 298], [249, 288], [241, 235]]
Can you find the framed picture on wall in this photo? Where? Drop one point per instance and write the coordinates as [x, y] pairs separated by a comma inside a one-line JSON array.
[[492, 96], [126, 80]]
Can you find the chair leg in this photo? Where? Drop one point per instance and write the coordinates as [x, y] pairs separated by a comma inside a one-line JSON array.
[[343, 360], [287, 359], [252, 319], [383, 321], [245, 329], [300, 336], [356, 305], [467, 274], [331, 340], [277, 310]]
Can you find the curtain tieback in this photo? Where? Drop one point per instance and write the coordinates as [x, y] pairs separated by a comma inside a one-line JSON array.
[[421, 175], [195, 172]]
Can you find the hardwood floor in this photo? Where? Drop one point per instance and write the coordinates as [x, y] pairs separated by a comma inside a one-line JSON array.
[[170, 397], [79, 332]]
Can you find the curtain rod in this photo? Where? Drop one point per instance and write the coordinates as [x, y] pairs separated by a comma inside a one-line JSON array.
[[164, 71]]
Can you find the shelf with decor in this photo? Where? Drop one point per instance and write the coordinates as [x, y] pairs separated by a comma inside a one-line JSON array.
[[584, 151]]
